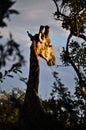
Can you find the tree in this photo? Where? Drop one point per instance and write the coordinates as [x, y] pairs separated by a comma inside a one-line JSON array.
[[72, 14], [10, 105], [9, 51], [66, 109]]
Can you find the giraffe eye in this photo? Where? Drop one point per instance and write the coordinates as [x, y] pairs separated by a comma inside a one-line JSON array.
[[50, 45]]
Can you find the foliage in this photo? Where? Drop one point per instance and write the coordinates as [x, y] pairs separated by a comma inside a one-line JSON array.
[[72, 14], [10, 105], [63, 111], [5, 11], [68, 110], [9, 51]]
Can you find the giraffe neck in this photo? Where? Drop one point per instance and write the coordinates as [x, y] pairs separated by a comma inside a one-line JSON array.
[[32, 105], [33, 80]]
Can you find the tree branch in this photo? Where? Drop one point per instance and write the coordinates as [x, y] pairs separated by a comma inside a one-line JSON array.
[[81, 36], [71, 61], [58, 11], [68, 40], [56, 5]]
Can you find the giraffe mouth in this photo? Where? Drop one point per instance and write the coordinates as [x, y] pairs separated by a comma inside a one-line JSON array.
[[51, 62]]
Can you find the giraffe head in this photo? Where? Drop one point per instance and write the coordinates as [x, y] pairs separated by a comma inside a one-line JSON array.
[[45, 50], [43, 46]]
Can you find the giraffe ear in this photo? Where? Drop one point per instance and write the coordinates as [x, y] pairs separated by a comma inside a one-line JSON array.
[[30, 36]]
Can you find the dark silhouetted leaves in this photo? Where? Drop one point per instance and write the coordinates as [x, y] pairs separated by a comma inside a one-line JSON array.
[[11, 76], [10, 51], [1, 75], [5, 11], [12, 11], [16, 68]]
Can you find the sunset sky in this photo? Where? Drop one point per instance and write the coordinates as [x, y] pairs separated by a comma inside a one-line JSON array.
[[34, 13]]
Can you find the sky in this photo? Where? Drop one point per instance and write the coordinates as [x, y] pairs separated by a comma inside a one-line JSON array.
[[34, 13]]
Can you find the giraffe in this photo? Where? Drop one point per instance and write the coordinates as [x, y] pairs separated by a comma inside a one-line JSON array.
[[32, 108]]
